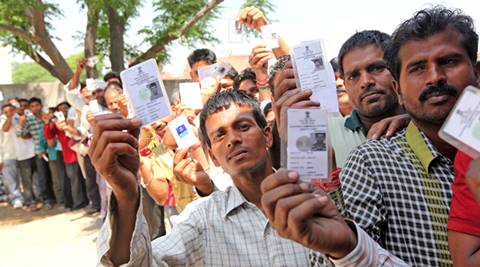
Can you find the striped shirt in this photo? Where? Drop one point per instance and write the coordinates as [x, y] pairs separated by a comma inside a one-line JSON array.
[[399, 190], [222, 229], [33, 126]]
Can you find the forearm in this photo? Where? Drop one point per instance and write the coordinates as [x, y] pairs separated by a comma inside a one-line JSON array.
[[73, 131], [6, 125], [158, 190], [123, 227], [73, 84]]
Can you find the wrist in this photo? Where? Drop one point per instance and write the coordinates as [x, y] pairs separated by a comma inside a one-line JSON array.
[[205, 189]]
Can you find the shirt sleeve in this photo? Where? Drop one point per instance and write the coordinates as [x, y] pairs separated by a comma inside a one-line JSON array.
[[362, 196], [368, 253], [183, 246], [22, 131], [73, 96]]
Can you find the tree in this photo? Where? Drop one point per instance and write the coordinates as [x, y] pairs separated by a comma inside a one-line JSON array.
[[25, 25]]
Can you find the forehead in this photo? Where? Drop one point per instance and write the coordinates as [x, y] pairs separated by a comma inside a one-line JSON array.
[[200, 64], [226, 116], [360, 57], [437, 45], [246, 84]]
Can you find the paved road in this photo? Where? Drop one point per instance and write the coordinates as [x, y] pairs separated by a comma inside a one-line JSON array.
[[47, 238]]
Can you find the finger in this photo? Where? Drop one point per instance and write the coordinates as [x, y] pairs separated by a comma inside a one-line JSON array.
[[114, 123], [264, 60], [377, 130], [113, 137], [180, 169], [179, 156], [271, 197], [394, 126], [292, 97], [283, 208], [314, 207], [282, 176], [261, 48], [306, 104]]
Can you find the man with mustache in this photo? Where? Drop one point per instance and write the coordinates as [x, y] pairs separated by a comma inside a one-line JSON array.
[[399, 189]]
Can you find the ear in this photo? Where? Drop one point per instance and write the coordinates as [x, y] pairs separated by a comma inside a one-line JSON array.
[[477, 72], [212, 156], [267, 133], [396, 88]]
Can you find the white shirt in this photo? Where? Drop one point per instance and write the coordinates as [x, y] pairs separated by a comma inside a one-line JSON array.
[[8, 140], [73, 96], [222, 229]]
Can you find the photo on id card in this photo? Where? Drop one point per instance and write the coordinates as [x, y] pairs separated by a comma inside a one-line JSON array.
[[462, 126], [182, 132], [145, 92], [307, 145]]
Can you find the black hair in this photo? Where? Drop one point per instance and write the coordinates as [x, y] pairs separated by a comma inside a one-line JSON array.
[[334, 63], [246, 74], [202, 54], [22, 100], [111, 75], [267, 108], [7, 105], [34, 99], [52, 109], [224, 99], [426, 23], [62, 103], [363, 39], [117, 84], [232, 73], [113, 85], [278, 66]]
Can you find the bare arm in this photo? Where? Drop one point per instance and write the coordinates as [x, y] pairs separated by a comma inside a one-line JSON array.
[[7, 124], [465, 249], [157, 188]]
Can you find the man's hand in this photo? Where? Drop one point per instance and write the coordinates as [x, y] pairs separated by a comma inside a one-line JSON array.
[[114, 154], [22, 119], [258, 61], [252, 17], [123, 105], [473, 178], [388, 126], [190, 171], [286, 95], [61, 125], [305, 215], [91, 118], [81, 64]]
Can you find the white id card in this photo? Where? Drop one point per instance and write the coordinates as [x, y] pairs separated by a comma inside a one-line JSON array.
[[462, 127], [59, 115], [209, 75], [234, 32], [190, 95], [145, 92], [313, 72], [182, 132], [307, 145], [270, 35]]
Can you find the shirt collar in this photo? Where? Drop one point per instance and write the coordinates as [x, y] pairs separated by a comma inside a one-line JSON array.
[[421, 146], [353, 123], [235, 199]]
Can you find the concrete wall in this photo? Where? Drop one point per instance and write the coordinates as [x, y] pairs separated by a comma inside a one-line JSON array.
[[51, 93]]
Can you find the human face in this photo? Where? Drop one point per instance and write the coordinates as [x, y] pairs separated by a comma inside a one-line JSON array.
[[111, 98], [238, 144], [438, 60], [86, 95], [368, 81], [194, 69], [35, 107], [23, 107], [64, 109], [250, 88], [9, 111]]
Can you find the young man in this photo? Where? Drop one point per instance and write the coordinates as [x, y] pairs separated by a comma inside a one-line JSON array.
[[32, 124], [198, 59], [225, 229], [399, 189]]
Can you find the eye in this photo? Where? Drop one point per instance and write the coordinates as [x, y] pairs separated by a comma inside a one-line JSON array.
[[352, 77], [217, 137], [415, 68], [378, 68], [244, 127]]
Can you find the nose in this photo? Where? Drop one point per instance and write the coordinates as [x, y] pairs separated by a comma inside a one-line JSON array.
[[435, 75], [233, 139], [366, 80]]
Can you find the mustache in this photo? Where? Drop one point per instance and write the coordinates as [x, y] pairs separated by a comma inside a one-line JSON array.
[[444, 88]]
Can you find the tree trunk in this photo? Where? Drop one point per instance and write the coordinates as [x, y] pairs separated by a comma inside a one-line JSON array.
[[91, 38], [162, 43], [117, 30]]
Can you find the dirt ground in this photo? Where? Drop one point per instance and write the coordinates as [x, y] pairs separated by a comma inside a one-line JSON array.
[[47, 238]]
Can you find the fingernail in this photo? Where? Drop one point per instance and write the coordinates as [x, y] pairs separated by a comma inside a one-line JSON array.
[[304, 186], [389, 133], [137, 121], [374, 136], [292, 175], [322, 199]]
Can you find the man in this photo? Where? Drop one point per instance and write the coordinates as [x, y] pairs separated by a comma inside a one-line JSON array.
[[399, 189], [344, 105], [115, 100], [32, 124], [224, 229], [246, 81], [200, 58], [9, 157]]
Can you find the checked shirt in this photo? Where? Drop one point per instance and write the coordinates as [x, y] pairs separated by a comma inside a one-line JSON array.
[[399, 191]]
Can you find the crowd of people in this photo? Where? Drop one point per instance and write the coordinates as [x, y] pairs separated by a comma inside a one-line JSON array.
[[399, 195]]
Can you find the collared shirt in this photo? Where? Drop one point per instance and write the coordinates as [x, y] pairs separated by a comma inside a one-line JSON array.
[[399, 191], [354, 123], [34, 126], [8, 140], [222, 229]]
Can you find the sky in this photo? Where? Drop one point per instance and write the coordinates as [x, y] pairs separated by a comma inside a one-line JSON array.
[[300, 20]]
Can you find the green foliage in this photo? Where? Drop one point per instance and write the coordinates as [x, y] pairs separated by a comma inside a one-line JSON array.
[[32, 72]]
